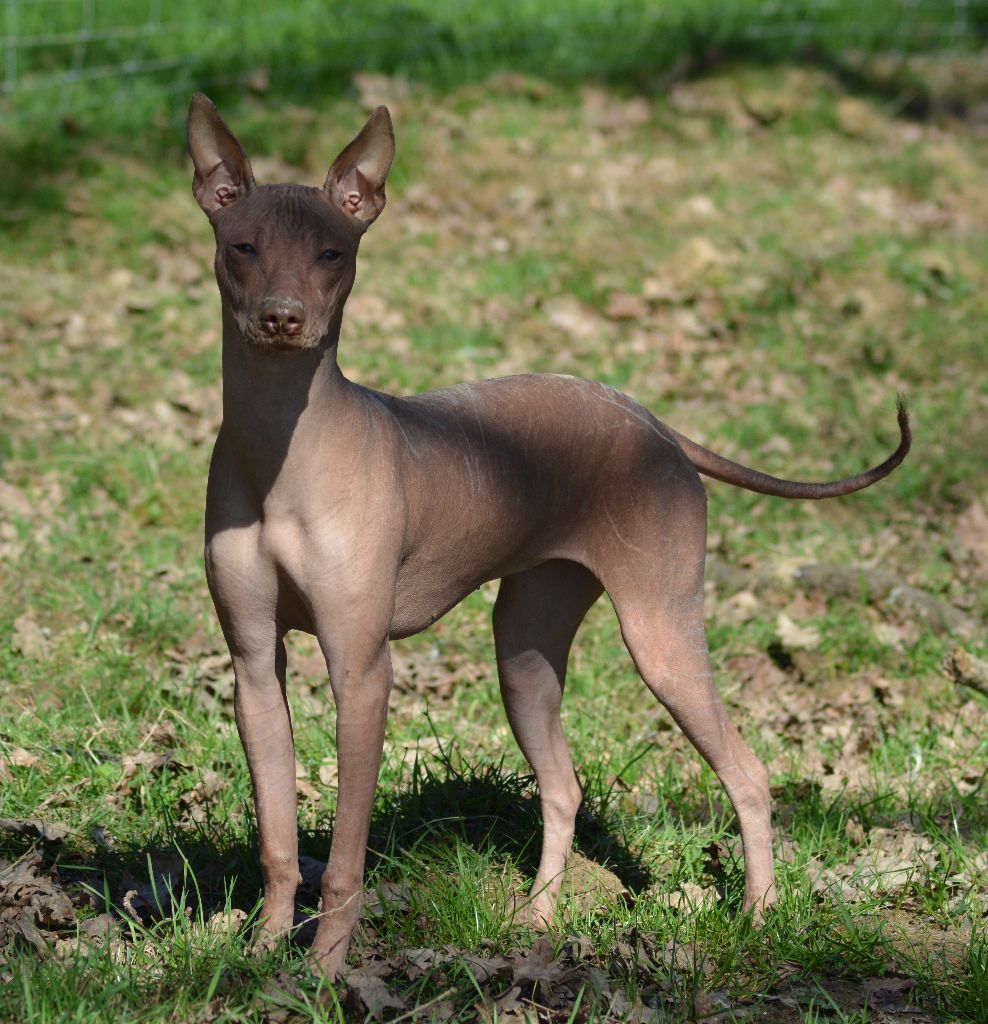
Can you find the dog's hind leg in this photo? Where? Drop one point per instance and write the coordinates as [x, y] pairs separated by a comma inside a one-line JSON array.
[[658, 597], [535, 619]]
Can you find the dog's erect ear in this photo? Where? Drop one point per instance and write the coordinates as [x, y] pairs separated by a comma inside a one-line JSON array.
[[223, 173], [356, 180]]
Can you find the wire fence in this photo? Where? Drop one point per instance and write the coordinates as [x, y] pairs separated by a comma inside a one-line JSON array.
[[64, 55], [51, 44]]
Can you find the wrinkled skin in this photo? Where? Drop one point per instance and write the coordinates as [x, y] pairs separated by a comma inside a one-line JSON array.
[[359, 517]]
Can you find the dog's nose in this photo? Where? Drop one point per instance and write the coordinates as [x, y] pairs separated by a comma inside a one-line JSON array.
[[282, 316]]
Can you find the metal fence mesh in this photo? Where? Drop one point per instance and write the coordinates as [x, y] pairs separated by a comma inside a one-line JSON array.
[[53, 50]]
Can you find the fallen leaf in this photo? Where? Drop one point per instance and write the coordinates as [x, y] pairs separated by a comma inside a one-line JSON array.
[[972, 532], [854, 832], [483, 968], [738, 608], [711, 1007], [227, 922], [794, 636], [47, 831], [144, 761], [377, 90], [368, 994], [574, 319], [14, 502], [685, 272], [306, 791], [632, 1011], [538, 966], [689, 897], [195, 801], [395, 895], [33, 902], [161, 734], [100, 926], [859, 119], [151, 897], [28, 638], [888, 994], [625, 306]]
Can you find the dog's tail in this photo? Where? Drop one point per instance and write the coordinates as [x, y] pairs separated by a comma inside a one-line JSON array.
[[713, 465]]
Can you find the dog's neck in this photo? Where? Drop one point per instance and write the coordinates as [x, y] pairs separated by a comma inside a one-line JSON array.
[[273, 401]]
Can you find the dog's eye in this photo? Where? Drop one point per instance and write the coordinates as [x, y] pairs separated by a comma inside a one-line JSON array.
[[329, 255], [246, 248]]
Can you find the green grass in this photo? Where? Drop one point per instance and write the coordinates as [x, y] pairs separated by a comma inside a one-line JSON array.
[[846, 267], [306, 45]]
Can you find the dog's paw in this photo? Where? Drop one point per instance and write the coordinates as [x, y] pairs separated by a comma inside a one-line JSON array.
[[329, 966], [267, 942], [270, 935], [760, 909], [530, 913]]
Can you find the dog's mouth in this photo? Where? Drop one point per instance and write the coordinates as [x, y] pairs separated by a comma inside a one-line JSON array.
[[259, 338]]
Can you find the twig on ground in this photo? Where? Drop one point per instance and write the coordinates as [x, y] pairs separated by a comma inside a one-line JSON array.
[[881, 585], [871, 585], [967, 670]]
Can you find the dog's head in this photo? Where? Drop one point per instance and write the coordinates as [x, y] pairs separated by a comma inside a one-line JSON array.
[[286, 255]]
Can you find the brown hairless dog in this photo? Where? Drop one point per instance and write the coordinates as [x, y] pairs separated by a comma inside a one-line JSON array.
[[359, 516]]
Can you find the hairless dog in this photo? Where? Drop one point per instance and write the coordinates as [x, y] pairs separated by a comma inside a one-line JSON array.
[[360, 517]]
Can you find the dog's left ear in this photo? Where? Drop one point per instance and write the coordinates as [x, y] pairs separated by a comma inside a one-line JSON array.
[[355, 182], [223, 174]]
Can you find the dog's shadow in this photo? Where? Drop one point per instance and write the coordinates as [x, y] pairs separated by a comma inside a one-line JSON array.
[[444, 806], [196, 873], [485, 807]]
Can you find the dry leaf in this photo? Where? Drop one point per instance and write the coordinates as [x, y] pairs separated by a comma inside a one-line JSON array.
[[22, 758], [306, 791], [889, 994], [854, 831], [689, 897], [195, 801], [28, 638], [685, 272], [539, 966], [147, 760], [377, 90], [227, 922], [794, 636], [860, 119], [14, 502], [577, 321], [972, 532], [33, 903], [386, 894], [625, 306], [738, 608], [368, 994], [47, 831]]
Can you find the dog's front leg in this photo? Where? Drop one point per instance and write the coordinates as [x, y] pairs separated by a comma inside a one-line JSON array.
[[265, 728], [361, 685]]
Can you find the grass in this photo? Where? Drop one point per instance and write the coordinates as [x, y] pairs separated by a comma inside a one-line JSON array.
[[806, 270], [303, 47]]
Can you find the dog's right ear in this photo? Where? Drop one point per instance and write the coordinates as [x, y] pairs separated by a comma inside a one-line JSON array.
[[223, 173], [355, 182]]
